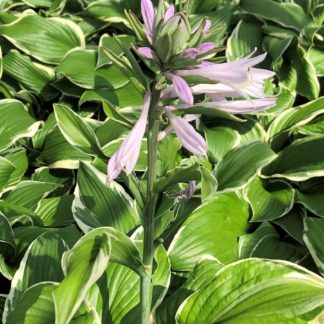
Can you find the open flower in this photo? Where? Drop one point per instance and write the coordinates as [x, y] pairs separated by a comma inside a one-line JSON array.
[[236, 78], [235, 106], [126, 156], [188, 136]]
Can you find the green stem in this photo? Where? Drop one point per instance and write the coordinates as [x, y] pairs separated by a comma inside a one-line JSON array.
[[150, 206]]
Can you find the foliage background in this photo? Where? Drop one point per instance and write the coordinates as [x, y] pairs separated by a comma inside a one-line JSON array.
[[62, 102]]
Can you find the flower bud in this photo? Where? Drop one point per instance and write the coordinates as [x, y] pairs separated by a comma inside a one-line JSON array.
[[181, 36], [177, 28]]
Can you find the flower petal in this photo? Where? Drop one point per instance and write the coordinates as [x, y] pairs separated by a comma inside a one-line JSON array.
[[181, 87], [148, 15], [205, 47], [190, 53], [237, 106], [146, 52], [169, 12], [207, 26], [126, 156], [187, 135]]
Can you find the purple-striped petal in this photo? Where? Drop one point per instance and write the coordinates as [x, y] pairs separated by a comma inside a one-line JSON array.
[[148, 15], [190, 53], [147, 52], [169, 129], [126, 156], [181, 87], [188, 136], [169, 12], [205, 47], [207, 26], [237, 106], [216, 72]]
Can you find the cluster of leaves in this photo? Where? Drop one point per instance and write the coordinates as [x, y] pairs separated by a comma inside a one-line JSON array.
[[70, 246]]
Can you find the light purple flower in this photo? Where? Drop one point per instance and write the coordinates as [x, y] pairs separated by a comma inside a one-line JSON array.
[[236, 106], [190, 53], [231, 73], [169, 12], [203, 48], [169, 129], [181, 88], [148, 15], [208, 24], [126, 156], [253, 87], [148, 53], [206, 47], [188, 136]]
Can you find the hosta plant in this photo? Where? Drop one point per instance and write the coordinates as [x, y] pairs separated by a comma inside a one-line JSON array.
[[144, 179]]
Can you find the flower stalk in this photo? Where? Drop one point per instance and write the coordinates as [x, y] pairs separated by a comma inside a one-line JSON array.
[[150, 206]]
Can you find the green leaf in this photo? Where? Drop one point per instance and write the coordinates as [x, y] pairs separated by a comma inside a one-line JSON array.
[[316, 56], [315, 127], [244, 39], [292, 223], [122, 302], [185, 172], [56, 211], [220, 140], [202, 274], [46, 39], [276, 47], [291, 118], [122, 249], [34, 77], [36, 305], [63, 177], [301, 160], [13, 129], [269, 200], [203, 232], [97, 204], [266, 243], [7, 241], [112, 43], [161, 276], [110, 11], [123, 97], [241, 163], [6, 170], [18, 158], [313, 237], [285, 14], [79, 66], [311, 195], [285, 100], [38, 3], [197, 7], [208, 184], [41, 262], [299, 74], [25, 235], [245, 291], [83, 265], [58, 153], [28, 194], [76, 131]]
